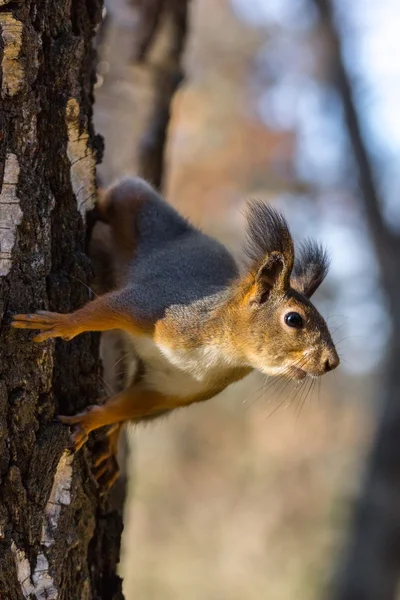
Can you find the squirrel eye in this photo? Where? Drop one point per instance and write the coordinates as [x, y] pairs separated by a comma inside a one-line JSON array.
[[293, 319]]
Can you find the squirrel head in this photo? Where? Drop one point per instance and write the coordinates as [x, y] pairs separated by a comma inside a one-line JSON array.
[[280, 330]]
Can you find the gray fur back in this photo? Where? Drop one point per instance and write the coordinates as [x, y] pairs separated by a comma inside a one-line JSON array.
[[175, 263]]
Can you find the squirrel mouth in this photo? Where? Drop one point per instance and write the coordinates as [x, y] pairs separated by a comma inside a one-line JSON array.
[[297, 374]]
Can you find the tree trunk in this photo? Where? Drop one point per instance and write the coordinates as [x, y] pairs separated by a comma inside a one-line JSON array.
[[58, 536]]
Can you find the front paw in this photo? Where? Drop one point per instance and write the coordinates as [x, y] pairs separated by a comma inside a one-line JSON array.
[[52, 325]]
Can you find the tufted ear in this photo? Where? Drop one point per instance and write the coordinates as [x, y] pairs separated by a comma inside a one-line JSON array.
[[269, 247], [271, 275], [310, 268]]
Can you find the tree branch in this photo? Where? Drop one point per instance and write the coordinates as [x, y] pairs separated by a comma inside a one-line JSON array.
[[386, 242], [371, 568]]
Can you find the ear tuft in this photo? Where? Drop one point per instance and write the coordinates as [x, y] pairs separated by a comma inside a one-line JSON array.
[[267, 232], [310, 268]]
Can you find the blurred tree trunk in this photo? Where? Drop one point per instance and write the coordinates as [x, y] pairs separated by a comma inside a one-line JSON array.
[[58, 538], [144, 43], [162, 27], [371, 567]]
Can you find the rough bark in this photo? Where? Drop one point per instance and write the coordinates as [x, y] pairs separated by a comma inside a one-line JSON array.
[[371, 566], [58, 537]]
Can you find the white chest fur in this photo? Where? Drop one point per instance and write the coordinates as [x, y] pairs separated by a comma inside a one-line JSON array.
[[181, 372]]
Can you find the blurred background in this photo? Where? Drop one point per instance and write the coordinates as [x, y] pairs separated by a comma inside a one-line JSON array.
[[248, 496]]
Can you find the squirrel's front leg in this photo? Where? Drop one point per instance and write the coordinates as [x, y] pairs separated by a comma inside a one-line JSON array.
[[115, 310]]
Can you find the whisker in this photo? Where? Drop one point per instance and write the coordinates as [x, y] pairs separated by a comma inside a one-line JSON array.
[[274, 386], [319, 390], [106, 387], [123, 357], [256, 391], [298, 386], [83, 283], [299, 391], [300, 400], [338, 316], [308, 388], [281, 381], [278, 385], [350, 337], [333, 331]]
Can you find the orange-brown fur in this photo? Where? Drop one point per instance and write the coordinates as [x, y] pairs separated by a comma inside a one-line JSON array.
[[102, 314]]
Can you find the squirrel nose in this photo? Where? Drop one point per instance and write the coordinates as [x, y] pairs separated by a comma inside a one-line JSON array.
[[331, 359]]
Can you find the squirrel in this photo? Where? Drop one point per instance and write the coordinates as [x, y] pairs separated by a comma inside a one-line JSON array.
[[191, 319]]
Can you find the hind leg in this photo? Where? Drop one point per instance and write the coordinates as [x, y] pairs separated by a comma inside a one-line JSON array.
[[132, 404]]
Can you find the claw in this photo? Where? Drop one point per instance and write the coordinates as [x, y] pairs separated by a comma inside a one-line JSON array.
[[79, 438], [52, 325], [109, 481], [99, 472], [81, 433], [107, 474], [102, 458]]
